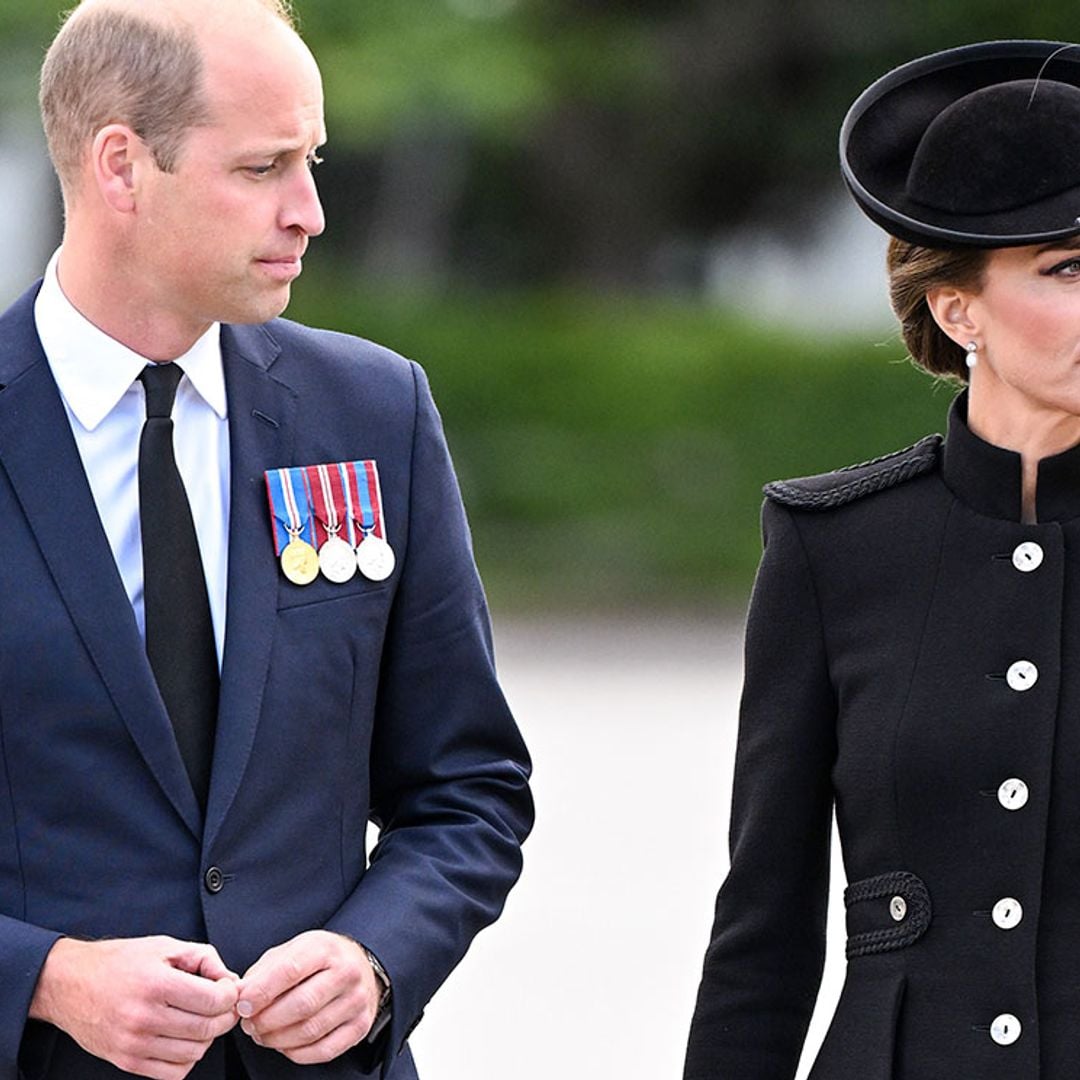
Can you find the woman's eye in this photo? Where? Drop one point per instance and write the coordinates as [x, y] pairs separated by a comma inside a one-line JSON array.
[[260, 170], [1068, 268]]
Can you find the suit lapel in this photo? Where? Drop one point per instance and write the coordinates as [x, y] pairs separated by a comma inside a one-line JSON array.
[[261, 432], [39, 456]]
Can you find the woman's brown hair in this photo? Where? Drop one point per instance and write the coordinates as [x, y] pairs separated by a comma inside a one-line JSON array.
[[913, 272]]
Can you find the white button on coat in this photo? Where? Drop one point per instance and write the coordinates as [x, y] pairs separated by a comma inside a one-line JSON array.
[[1013, 794], [1022, 675], [898, 908], [1007, 913], [1027, 557], [1005, 1029]]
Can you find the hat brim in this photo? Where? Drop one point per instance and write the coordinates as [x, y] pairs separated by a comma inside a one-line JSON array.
[[882, 129]]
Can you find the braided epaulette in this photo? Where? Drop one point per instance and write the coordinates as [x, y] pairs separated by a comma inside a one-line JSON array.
[[827, 490]]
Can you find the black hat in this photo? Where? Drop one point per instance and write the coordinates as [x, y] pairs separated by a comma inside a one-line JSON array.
[[972, 147]]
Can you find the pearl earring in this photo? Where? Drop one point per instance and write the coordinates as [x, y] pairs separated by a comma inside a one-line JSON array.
[[972, 359]]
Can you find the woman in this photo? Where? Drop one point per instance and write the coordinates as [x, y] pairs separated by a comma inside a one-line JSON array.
[[913, 645]]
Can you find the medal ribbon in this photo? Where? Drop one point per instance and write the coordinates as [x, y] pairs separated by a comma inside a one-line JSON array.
[[340, 474], [322, 500], [290, 506], [361, 491], [279, 517], [375, 497], [313, 502]]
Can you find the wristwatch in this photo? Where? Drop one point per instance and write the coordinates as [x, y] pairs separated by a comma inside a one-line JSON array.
[[382, 1014]]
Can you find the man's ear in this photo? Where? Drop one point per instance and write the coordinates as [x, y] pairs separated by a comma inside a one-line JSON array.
[[952, 311], [117, 159]]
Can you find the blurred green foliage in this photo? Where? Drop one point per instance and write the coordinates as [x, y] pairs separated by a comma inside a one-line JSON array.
[[689, 114], [388, 63], [581, 157], [612, 451]]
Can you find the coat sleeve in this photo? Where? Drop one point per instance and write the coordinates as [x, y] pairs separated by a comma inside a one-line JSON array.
[[448, 767], [765, 956], [23, 949]]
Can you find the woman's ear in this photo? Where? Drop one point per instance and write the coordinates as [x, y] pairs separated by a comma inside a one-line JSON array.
[[952, 311]]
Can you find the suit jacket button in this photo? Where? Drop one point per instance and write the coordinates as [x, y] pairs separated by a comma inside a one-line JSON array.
[[214, 880]]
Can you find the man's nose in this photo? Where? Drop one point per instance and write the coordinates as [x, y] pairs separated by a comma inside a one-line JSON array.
[[304, 208]]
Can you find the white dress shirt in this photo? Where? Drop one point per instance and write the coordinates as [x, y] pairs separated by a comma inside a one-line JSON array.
[[106, 406]]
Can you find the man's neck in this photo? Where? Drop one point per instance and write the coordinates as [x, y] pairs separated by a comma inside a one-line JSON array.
[[117, 308]]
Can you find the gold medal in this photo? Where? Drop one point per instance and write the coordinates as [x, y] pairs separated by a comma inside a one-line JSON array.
[[300, 562], [375, 558]]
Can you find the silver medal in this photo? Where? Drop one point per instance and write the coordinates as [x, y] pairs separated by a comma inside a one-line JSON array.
[[337, 561], [375, 558]]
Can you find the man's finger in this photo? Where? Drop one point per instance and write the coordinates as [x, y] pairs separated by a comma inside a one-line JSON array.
[[199, 996], [176, 1050], [163, 1057], [341, 1012], [277, 971], [182, 1024], [327, 1049], [297, 1006], [201, 960]]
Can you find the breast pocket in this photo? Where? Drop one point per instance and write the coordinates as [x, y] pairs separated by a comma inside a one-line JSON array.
[[297, 597], [325, 661]]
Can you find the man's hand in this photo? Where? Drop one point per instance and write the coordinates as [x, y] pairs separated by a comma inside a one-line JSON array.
[[312, 998], [150, 1006]]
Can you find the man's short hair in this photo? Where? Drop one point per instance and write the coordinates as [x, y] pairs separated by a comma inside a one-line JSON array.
[[111, 67]]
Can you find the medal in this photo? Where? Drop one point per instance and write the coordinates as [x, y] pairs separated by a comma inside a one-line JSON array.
[[329, 519], [293, 527], [337, 561], [300, 562], [375, 558]]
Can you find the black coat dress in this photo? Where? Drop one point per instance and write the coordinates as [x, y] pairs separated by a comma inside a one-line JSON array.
[[913, 659]]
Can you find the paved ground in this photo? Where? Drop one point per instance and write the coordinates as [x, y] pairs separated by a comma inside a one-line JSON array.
[[592, 971]]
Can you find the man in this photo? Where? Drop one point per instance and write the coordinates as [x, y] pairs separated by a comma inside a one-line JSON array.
[[184, 888]]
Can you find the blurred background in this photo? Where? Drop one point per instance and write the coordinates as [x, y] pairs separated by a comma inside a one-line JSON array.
[[615, 236]]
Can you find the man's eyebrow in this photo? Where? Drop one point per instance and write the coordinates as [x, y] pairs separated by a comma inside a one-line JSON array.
[[283, 149]]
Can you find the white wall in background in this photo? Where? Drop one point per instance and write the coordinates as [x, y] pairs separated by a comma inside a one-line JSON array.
[[832, 280]]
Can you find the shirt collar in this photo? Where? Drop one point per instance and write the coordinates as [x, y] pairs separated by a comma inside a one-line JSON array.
[[93, 371], [989, 479]]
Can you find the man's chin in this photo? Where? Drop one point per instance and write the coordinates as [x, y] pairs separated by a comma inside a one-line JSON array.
[[269, 306]]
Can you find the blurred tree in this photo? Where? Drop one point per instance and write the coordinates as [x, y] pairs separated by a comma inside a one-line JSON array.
[[545, 140], [613, 452], [25, 28], [540, 140]]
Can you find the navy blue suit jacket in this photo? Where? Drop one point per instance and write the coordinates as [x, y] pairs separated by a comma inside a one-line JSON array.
[[339, 703]]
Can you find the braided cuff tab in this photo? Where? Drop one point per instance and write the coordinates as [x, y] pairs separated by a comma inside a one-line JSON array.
[[895, 909]]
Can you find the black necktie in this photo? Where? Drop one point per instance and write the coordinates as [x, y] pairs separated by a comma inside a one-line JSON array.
[[179, 631]]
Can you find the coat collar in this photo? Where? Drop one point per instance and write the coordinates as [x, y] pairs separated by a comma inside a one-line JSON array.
[[988, 478]]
